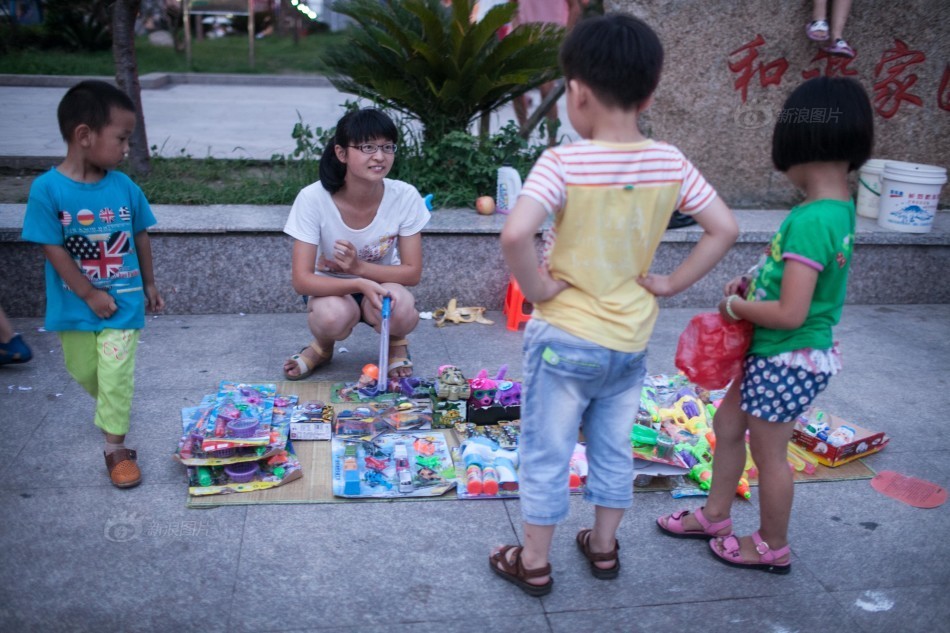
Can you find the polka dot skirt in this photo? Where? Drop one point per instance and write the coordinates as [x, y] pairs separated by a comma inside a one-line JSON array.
[[776, 392]]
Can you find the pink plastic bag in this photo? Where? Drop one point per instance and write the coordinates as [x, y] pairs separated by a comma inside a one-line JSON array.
[[710, 350]]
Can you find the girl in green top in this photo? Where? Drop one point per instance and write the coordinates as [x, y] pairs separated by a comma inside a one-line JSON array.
[[824, 131]]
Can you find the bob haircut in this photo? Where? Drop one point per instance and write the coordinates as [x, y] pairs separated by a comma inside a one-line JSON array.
[[353, 128], [618, 56], [90, 102], [824, 119]]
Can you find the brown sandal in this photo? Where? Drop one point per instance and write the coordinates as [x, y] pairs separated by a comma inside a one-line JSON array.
[[583, 544], [515, 572], [123, 471]]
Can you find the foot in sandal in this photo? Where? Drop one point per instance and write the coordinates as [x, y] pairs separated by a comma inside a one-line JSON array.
[[507, 562], [686, 524], [306, 361], [400, 360], [752, 552], [603, 565]]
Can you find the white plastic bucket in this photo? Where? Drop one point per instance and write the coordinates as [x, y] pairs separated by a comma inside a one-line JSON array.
[[869, 188], [909, 196]]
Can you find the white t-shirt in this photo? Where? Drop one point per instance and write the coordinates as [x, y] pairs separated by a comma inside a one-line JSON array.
[[315, 219]]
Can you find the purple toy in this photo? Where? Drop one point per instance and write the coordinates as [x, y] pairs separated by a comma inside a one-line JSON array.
[[242, 472]]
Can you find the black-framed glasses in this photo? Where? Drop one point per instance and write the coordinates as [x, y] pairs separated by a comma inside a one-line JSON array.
[[372, 148]]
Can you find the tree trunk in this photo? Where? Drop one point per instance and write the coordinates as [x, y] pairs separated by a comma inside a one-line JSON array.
[[124, 13]]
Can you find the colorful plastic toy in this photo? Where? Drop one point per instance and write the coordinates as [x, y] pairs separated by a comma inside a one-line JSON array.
[[451, 384]]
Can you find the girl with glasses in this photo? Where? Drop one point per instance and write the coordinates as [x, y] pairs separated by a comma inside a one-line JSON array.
[[357, 238]]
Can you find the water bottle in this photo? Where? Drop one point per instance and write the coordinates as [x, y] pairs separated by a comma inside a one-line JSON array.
[[509, 186]]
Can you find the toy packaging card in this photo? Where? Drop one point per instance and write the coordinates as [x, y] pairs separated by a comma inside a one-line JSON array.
[[268, 419], [311, 420], [277, 470], [408, 464], [834, 441]]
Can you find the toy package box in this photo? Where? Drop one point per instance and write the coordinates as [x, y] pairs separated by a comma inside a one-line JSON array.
[[311, 420], [833, 440]]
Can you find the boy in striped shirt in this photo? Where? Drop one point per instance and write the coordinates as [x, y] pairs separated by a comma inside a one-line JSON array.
[[610, 197]]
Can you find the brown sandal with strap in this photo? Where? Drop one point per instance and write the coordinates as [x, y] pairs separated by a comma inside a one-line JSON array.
[[123, 471], [583, 544], [516, 573]]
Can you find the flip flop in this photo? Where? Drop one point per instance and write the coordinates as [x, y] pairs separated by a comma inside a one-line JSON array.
[[516, 573], [303, 367]]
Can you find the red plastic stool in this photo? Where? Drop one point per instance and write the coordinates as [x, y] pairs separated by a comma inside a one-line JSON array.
[[516, 308]]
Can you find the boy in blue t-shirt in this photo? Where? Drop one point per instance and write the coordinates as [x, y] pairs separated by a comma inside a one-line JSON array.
[[91, 222]]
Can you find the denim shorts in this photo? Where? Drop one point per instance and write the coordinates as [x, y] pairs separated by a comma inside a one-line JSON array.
[[571, 383]]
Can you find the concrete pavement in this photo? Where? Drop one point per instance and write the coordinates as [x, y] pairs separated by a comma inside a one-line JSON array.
[[861, 561]]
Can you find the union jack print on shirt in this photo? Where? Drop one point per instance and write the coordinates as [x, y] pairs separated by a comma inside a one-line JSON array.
[[99, 260]]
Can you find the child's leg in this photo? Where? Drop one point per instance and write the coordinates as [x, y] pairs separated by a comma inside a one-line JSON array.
[[607, 426], [553, 403], [769, 444], [839, 16], [729, 425], [603, 536], [116, 378], [819, 10], [82, 359]]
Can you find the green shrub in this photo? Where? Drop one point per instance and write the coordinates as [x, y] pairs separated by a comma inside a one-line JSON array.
[[456, 168], [432, 63], [81, 25]]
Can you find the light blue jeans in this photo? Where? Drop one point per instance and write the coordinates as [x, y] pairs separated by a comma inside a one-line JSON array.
[[571, 383]]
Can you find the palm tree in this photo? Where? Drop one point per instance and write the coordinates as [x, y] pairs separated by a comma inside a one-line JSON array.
[[432, 63]]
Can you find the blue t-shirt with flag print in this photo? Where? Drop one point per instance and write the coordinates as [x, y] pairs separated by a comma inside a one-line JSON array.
[[96, 223]]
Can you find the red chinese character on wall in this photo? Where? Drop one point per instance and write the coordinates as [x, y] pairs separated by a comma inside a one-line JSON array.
[[891, 84], [943, 93], [770, 74], [835, 66]]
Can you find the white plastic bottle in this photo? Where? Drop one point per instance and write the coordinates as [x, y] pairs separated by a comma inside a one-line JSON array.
[[509, 186]]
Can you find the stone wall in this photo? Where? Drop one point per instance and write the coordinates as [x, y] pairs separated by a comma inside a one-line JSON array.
[[730, 66]]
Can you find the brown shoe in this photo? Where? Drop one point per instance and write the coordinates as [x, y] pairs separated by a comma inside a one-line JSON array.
[[123, 470]]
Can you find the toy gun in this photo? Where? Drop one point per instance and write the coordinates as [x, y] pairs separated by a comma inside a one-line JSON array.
[[649, 408], [743, 489], [698, 458], [488, 466]]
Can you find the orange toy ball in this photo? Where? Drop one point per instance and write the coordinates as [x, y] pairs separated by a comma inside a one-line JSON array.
[[485, 205], [371, 370]]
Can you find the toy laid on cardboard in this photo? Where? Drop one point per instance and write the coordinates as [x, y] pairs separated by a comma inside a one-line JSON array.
[[407, 464]]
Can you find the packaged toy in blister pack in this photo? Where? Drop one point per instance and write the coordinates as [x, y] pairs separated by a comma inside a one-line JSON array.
[[248, 476], [413, 464], [240, 423]]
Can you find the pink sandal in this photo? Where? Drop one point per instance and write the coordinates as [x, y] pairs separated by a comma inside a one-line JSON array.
[[727, 550], [674, 526]]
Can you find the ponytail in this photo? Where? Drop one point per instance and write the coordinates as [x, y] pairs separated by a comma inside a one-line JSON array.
[[332, 171]]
